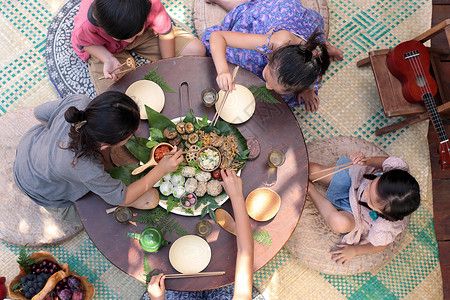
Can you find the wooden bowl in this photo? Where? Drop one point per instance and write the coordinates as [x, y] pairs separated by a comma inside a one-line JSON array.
[[152, 161], [152, 156], [86, 287], [262, 204], [198, 158]]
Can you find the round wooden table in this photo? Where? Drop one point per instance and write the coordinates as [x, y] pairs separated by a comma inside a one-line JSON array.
[[273, 125]]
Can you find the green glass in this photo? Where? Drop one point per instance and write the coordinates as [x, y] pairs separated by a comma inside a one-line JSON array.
[[150, 239]]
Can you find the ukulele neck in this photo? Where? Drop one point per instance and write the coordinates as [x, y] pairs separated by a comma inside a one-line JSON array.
[[434, 116]]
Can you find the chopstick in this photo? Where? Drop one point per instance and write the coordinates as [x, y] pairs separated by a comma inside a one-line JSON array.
[[348, 165], [123, 71], [204, 274], [217, 114], [334, 167], [184, 152]]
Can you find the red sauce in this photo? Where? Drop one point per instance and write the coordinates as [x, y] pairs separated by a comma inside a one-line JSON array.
[[159, 152]]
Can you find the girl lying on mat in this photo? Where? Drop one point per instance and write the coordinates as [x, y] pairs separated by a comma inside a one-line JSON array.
[[370, 202], [59, 161], [242, 288], [280, 41]]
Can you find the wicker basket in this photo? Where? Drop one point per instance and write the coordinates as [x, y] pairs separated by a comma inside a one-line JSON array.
[[86, 287]]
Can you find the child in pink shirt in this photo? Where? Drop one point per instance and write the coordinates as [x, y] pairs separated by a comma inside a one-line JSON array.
[[105, 30], [370, 202]]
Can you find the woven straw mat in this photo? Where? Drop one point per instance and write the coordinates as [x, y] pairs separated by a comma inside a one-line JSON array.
[[349, 106], [313, 238], [208, 14], [23, 221]]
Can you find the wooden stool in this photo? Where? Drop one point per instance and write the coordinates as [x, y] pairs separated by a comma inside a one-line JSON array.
[[390, 89]]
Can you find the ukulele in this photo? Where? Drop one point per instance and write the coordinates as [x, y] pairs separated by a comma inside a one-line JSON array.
[[410, 63]]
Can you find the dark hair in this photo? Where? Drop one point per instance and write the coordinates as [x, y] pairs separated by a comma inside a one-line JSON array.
[[398, 194], [121, 19], [298, 66], [110, 118]]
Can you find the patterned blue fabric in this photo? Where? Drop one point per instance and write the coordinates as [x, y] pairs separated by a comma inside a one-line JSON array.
[[259, 17], [338, 191], [223, 293]]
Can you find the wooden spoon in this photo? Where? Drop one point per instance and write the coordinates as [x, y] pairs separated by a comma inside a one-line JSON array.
[[148, 200], [151, 162], [225, 220]]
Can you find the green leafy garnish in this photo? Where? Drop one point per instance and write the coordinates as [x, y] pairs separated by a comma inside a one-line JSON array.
[[24, 259], [148, 271], [190, 117], [171, 203], [188, 210], [156, 134], [153, 76], [245, 153], [263, 238], [161, 220], [17, 287], [263, 94], [151, 144]]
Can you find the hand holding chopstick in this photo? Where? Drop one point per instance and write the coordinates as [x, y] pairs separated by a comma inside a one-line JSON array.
[[184, 152], [342, 167], [217, 114], [129, 62]]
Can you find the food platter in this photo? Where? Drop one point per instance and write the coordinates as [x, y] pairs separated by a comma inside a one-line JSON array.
[[193, 134], [179, 210]]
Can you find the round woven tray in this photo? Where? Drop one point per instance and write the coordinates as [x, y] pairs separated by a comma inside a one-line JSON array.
[[313, 239], [207, 15], [22, 221]]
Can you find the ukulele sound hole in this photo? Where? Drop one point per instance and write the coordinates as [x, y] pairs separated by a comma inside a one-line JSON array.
[[421, 81]]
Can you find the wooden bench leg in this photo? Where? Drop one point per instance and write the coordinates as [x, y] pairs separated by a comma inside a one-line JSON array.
[[406, 122], [363, 62]]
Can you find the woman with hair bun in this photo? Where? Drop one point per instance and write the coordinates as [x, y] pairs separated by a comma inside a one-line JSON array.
[[280, 41], [59, 161]]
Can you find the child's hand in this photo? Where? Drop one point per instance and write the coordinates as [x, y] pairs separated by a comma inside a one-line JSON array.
[[231, 183], [344, 254], [170, 163], [335, 53], [357, 158], [225, 81], [156, 288], [108, 67], [311, 100]]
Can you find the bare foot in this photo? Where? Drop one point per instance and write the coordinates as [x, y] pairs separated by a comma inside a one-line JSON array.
[[335, 53]]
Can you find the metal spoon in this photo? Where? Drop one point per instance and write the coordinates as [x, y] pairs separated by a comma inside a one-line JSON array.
[[225, 220]]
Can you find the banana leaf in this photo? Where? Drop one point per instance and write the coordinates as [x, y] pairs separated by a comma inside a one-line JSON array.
[[138, 148], [157, 120], [123, 173]]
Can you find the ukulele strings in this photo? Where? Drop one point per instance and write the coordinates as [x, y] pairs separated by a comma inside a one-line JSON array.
[[426, 89]]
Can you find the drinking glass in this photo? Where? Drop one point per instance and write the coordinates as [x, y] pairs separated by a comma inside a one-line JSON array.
[[276, 158]]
